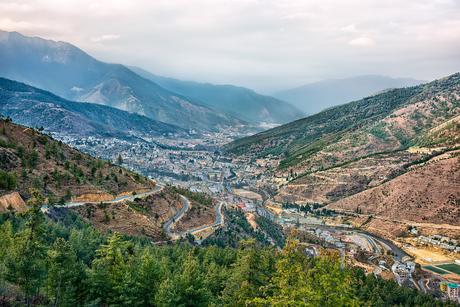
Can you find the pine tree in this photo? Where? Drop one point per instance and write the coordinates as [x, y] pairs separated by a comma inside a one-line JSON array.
[[25, 263], [65, 273]]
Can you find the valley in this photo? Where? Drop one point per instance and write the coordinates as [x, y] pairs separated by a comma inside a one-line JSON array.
[[373, 202], [375, 237], [145, 190]]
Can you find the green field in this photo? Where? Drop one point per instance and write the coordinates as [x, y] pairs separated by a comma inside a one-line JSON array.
[[435, 269], [451, 267]]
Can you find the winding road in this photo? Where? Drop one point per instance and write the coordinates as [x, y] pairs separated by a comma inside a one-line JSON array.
[[168, 224], [175, 236], [119, 199], [374, 241], [179, 214], [218, 222]]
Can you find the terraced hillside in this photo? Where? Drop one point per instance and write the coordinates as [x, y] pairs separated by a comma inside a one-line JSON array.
[[385, 122], [367, 144], [429, 192]]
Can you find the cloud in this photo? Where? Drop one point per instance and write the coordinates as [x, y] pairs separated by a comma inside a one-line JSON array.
[[362, 41], [266, 45], [14, 25], [105, 38], [349, 28]]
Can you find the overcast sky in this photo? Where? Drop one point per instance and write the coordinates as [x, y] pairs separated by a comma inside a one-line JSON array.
[[266, 44]]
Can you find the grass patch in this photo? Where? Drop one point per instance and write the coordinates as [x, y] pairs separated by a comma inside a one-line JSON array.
[[435, 269], [451, 267]]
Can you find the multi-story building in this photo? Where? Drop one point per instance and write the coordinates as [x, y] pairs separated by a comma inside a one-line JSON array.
[[453, 291]]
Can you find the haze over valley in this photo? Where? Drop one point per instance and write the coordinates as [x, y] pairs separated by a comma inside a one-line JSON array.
[[275, 153]]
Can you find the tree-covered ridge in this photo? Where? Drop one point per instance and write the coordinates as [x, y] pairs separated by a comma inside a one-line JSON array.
[[236, 229], [385, 122], [32, 159], [68, 263]]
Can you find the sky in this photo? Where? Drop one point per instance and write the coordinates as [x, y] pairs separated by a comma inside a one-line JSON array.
[[266, 45]]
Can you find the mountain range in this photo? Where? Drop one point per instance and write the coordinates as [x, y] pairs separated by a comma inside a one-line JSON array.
[[315, 97], [71, 73], [394, 150], [239, 102], [38, 108]]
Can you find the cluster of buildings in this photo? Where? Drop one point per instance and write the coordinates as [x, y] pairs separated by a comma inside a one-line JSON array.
[[440, 241], [403, 271], [451, 289], [327, 237]]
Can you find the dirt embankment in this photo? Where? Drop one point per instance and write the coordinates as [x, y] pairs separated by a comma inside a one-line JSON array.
[[93, 197], [12, 202], [142, 217]]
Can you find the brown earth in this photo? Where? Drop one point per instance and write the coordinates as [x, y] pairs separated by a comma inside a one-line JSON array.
[[93, 197], [12, 202], [198, 215], [58, 169], [429, 193], [345, 180], [142, 217]]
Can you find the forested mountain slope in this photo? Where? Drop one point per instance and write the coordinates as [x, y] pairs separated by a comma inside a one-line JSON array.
[[367, 145], [30, 160], [68, 263], [315, 97], [388, 121]]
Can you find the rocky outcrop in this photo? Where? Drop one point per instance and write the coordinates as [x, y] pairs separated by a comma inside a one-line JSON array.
[[12, 202]]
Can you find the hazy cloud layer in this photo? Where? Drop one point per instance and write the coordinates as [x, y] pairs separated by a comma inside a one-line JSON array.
[[266, 44]]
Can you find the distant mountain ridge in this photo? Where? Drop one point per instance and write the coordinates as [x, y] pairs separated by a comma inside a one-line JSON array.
[[394, 155], [240, 102], [315, 97], [69, 72], [298, 140], [38, 108]]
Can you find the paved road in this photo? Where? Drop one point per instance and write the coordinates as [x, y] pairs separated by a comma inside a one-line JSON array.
[[372, 242], [167, 226], [71, 204], [423, 285], [218, 222], [179, 214], [398, 252], [157, 189]]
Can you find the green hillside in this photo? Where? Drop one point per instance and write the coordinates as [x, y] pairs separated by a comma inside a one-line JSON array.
[[69, 263], [385, 122]]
